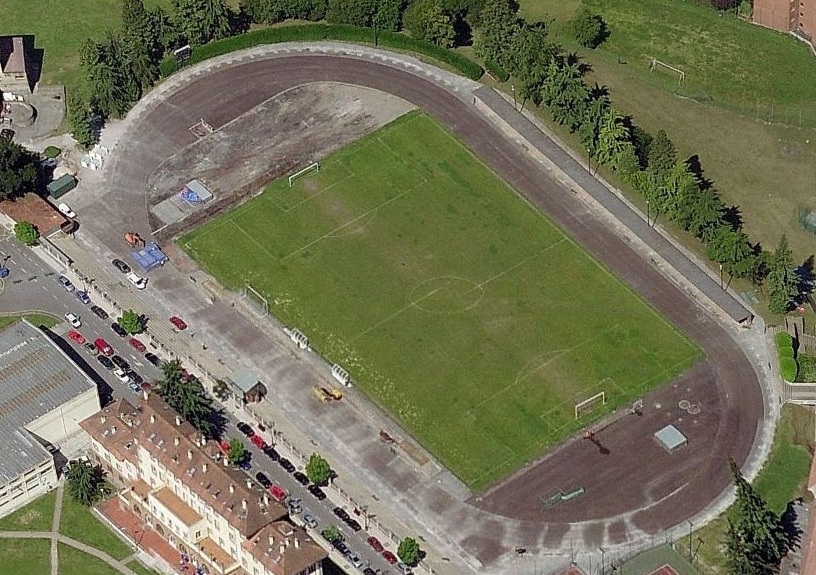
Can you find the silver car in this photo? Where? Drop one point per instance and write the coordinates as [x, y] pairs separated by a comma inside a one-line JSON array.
[[309, 520]]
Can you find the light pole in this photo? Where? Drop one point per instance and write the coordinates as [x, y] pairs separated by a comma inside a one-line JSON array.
[[690, 554], [603, 559], [648, 213], [513, 89], [721, 277]]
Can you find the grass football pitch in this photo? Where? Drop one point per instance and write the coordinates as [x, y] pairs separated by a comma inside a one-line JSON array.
[[451, 301]]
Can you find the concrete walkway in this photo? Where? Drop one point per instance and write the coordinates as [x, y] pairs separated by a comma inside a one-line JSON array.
[[55, 529]]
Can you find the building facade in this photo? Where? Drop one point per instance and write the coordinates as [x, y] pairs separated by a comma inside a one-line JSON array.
[[44, 396], [794, 16], [218, 518]]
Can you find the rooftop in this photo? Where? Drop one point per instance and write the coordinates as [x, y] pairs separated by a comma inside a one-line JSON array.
[[244, 379], [12, 55], [186, 514], [284, 549], [32, 208], [36, 377]]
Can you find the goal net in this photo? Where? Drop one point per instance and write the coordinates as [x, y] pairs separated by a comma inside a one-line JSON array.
[[590, 404], [313, 166], [255, 301]]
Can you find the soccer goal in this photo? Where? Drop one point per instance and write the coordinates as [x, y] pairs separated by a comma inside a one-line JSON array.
[[256, 301], [587, 405], [656, 64], [313, 166]]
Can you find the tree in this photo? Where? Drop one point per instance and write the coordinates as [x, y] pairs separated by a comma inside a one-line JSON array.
[[529, 59], [80, 120], [756, 541], [19, 173], [131, 322], [409, 551], [613, 140], [565, 93], [220, 390], [200, 21], [318, 469], [662, 154], [187, 396], [140, 37], [331, 533], [354, 12], [783, 284], [237, 452], [730, 248], [26, 232], [499, 25], [85, 482], [425, 19], [109, 76], [588, 28]]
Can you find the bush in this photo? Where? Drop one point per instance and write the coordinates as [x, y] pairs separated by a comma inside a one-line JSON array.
[[496, 71], [786, 352], [589, 29], [783, 339], [315, 32], [52, 152], [807, 369], [788, 368], [27, 233]]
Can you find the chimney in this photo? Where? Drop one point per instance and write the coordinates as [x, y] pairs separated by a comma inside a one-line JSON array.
[[297, 543], [266, 502], [271, 541], [176, 441], [103, 419], [152, 418], [226, 461], [244, 504], [178, 420], [113, 429], [232, 488], [190, 454], [145, 394], [287, 542], [203, 468], [249, 483], [282, 549]]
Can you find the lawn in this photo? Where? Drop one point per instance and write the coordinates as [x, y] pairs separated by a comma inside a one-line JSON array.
[[137, 567], [37, 319], [452, 302], [36, 516], [782, 479], [79, 523], [75, 562], [25, 556]]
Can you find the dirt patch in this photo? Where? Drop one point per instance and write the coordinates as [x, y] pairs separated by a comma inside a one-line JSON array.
[[274, 139]]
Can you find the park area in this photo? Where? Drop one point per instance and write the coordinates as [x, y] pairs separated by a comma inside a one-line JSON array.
[[451, 301]]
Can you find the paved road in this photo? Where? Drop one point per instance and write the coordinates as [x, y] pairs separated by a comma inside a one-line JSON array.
[[158, 131]]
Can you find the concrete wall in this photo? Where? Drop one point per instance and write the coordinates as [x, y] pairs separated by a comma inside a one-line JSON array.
[[29, 486], [63, 421]]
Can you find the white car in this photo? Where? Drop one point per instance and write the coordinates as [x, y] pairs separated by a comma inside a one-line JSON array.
[[73, 320], [121, 375], [139, 282], [66, 209]]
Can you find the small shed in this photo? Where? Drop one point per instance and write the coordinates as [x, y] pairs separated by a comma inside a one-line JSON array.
[[246, 386], [671, 438], [149, 257], [61, 186]]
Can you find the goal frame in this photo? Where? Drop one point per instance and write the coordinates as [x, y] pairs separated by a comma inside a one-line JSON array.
[[655, 63], [313, 166], [589, 404], [258, 303]]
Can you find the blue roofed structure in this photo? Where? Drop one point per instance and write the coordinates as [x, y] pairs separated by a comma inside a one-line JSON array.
[[149, 257]]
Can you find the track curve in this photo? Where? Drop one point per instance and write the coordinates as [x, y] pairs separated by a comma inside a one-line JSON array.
[[632, 504]]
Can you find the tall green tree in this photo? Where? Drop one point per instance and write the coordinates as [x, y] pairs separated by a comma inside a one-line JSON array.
[[26, 233], [529, 59], [354, 12], [237, 452], [19, 171], [109, 76], [565, 93], [590, 129], [141, 44], [84, 482], [200, 21], [188, 397], [783, 284], [409, 551], [662, 154], [499, 25], [131, 322], [425, 19], [613, 139], [318, 469], [588, 28], [80, 120], [731, 248], [755, 541]]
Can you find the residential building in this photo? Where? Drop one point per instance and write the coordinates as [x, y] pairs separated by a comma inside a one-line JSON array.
[[14, 65], [44, 396], [794, 16], [182, 486]]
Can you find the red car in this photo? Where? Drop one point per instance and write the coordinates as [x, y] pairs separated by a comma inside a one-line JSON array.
[[139, 346], [76, 337], [390, 557], [375, 544], [278, 493], [178, 322], [258, 441], [103, 347]]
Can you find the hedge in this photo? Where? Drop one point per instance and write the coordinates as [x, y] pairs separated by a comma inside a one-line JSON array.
[[783, 339], [786, 352], [496, 71], [788, 368], [316, 32]]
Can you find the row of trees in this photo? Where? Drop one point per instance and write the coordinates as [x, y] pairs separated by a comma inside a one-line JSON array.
[[188, 397], [673, 188]]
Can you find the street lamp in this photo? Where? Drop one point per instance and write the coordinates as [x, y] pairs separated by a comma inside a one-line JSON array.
[[513, 89], [648, 213], [721, 277], [690, 528], [603, 559]]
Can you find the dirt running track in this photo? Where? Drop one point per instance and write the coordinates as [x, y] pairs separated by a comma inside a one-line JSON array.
[[636, 485]]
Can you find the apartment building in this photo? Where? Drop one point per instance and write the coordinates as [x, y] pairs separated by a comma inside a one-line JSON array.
[[216, 516]]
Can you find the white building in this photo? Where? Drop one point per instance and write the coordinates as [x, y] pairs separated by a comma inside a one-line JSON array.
[[182, 487], [43, 398]]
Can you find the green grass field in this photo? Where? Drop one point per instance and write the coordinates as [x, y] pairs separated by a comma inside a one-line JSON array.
[[451, 301], [77, 522], [25, 556], [36, 516]]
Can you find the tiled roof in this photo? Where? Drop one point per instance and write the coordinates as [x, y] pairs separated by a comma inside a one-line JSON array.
[[284, 549], [155, 427], [186, 514], [12, 55]]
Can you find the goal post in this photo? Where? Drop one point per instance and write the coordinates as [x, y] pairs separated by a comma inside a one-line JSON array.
[[589, 404], [313, 166], [657, 64], [256, 301]]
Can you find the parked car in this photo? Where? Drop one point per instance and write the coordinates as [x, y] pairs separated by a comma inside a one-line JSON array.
[[375, 544], [134, 387], [103, 347], [137, 281], [66, 283], [90, 348], [76, 337], [66, 210], [341, 513], [317, 492], [245, 428], [354, 559], [354, 525], [258, 441], [341, 546], [301, 478], [293, 503], [135, 378], [309, 520], [121, 266], [278, 493], [263, 479], [83, 297], [73, 319], [178, 322], [7, 134], [246, 465], [153, 358], [117, 329], [121, 375], [137, 345], [403, 568], [105, 361], [99, 312], [369, 571], [286, 464], [120, 362], [271, 453], [389, 557], [146, 386]]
